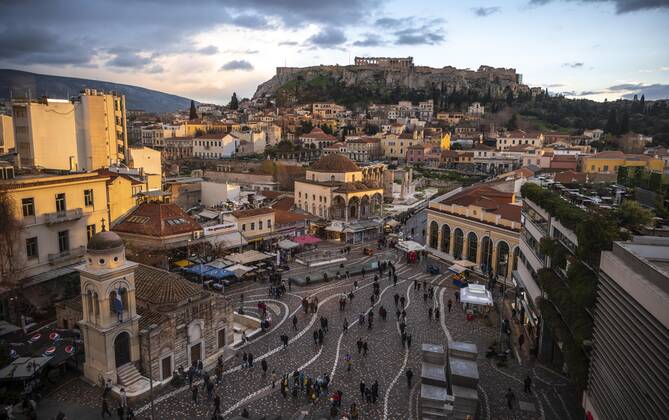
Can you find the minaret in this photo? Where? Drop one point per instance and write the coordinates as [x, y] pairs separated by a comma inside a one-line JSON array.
[[110, 324]]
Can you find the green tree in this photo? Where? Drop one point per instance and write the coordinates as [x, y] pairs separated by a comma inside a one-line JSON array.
[[632, 215], [193, 112], [513, 122], [624, 123], [642, 104], [234, 102], [612, 122]]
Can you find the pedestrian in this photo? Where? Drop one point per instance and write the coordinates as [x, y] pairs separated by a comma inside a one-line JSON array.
[[403, 301], [395, 280], [397, 298], [349, 362], [409, 375], [375, 391], [368, 395], [404, 338], [217, 405], [273, 378], [361, 319], [510, 397], [345, 324], [425, 297], [124, 398], [210, 390], [355, 284], [429, 314], [528, 384], [194, 394], [359, 344], [364, 349], [353, 413], [436, 313], [120, 410], [294, 322], [105, 407], [250, 361], [363, 387], [315, 337], [457, 296], [245, 359], [521, 341], [397, 312], [320, 336], [408, 340], [264, 366]]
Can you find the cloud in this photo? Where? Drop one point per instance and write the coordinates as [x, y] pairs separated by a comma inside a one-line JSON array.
[[250, 22], [236, 65], [370, 40], [291, 43], [554, 85], [622, 6], [243, 52], [208, 50], [419, 36], [26, 45], [486, 11], [126, 58], [413, 30], [651, 92], [659, 69], [155, 69], [574, 65], [327, 38]]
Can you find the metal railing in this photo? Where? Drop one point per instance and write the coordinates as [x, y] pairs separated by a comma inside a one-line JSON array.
[[63, 216], [76, 252]]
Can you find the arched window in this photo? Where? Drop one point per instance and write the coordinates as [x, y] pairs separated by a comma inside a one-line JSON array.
[[445, 238], [90, 304], [486, 254], [458, 237], [332, 178], [472, 246], [502, 258], [434, 234]]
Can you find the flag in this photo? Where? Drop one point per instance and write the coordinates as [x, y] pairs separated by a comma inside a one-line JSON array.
[[118, 303]]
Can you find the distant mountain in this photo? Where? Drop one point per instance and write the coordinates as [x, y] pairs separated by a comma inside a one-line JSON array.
[[20, 82]]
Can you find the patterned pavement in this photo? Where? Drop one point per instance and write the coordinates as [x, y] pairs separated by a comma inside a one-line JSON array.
[[386, 361]]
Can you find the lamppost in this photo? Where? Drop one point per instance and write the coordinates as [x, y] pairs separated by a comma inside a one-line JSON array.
[[147, 332]]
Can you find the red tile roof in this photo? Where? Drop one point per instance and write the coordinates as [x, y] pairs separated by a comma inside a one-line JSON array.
[[319, 134], [336, 163], [282, 217], [284, 203], [240, 214], [480, 195], [157, 220], [157, 286]]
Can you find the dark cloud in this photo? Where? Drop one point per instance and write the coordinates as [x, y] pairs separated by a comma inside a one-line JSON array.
[[237, 65], [574, 65], [208, 50], [413, 30], [486, 11], [250, 22], [590, 92], [626, 86], [651, 92], [41, 46], [390, 23], [328, 37], [155, 69], [622, 6], [424, 35], [126, 58], [370, 40]]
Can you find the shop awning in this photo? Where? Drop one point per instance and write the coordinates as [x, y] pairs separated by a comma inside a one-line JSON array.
[[393, 223], [198, 269], [306, 240], [239, 269], [227, 240], [219, 263], [456, 269], [183, 263], [219, 273], [24, 368], [248, 257], [288, 244], [465, 263], [476, 294], [335, 228]]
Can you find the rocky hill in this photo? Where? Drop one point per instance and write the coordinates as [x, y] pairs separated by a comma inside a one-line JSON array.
[[361, 84], [19, 83]]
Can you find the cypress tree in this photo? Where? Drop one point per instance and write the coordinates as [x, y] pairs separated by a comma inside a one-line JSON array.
[[193, 112], [234, 102]]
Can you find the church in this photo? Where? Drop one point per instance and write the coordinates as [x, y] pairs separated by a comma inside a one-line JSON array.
[[139, 322]]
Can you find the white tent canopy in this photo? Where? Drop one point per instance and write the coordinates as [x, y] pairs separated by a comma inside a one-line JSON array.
[[239, 269], [465, 263], [287, 244], [409, 246], [476, 294], [456, 269]]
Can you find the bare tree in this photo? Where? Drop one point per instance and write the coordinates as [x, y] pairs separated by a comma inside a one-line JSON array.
[[11, 263]]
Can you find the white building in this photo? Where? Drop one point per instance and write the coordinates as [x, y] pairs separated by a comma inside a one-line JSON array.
[[519, 137], [155, 135], [215, 146], [476, 109], [215, 193]]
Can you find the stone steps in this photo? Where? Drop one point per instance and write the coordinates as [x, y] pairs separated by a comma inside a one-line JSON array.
[[128, 374]]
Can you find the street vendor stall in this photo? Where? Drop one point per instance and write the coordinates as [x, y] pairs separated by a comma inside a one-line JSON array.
[[475, 298], [287, 244], [411, 249], [460, 270], [306, 240]]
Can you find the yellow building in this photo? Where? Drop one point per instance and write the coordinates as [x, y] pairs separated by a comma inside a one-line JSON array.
[[86, 133], [254, 224], [395, 147], [123, 192], [609, 162], [6, 134], [446, 142], [480, 224], [149, 162], [58, 214]]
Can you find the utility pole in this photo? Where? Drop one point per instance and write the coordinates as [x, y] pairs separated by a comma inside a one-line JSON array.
[[147, 332]]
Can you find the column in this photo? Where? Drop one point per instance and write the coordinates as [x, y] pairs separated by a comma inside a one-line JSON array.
[[452, 243], [479, 252], [465, 246], [509, 268], [346, 210], [493, 263], [439, 237]]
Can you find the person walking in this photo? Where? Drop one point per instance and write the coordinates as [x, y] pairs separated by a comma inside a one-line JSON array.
[[364, 349], [210, 390], [397, 299], [409, 375], [354, 413], [450, 304], [521, 341], [363, 387], [124, 398], [403, 301], [321, 335], [510, 398], [295, 322], [315, 337], [436, 314], [359, 344], [375, 391], [250, 361], [429, 314], [217, 405], [345, 326], [105, 407], [408, 340], [349, 362], [425, 297], [264, 366], [245, 360], [528, 384], [368, 395], [194, 393], [273, 378]]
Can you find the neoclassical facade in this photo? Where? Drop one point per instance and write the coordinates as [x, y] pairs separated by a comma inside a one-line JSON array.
[[336, 188], [480, 224]]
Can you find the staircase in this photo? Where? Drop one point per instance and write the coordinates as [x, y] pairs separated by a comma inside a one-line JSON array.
[[128, 374]]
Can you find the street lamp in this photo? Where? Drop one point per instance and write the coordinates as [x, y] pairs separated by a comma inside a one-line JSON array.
[[147, 332]]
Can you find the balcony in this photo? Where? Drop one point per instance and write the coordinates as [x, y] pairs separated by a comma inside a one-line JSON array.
[[70, 254], [63, 216]]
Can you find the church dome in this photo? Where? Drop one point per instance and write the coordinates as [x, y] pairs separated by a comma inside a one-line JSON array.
[[335, 163], [104, 241]]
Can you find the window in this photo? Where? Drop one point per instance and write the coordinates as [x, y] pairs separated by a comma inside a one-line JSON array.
[[31, 248], [253, 225], [244, 227], [221, 338], [260, 225], [269, 223], [299, 194], [60, 202], [28, 205], [606, 168], [88, 198], [64, 240], [90, 231]]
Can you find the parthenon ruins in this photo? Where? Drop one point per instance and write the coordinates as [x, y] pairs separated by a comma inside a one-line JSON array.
[[384, 61]]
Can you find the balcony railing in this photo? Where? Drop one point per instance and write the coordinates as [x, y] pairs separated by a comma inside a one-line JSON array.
[[70, 254], [63, 216]]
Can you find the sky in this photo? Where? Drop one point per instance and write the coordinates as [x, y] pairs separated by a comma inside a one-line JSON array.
[[207, 49]]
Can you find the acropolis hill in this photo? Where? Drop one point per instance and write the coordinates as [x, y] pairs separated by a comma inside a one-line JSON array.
[[381, 78]]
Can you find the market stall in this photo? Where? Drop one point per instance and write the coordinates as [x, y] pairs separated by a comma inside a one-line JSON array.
[[475, 298], [411, 249]]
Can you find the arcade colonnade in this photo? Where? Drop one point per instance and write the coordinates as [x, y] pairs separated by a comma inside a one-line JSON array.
[[490, 247], [363, 206]]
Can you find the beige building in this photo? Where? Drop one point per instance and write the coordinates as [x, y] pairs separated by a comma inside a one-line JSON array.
[[87, 133], [364, 149], [58, 214], [254, 224], [520, 137], [396, 147], [149, 163], [480, 224], [6, 134]]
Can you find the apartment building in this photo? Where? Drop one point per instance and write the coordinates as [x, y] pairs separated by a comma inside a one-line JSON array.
[[215, 146], [519, 137], [327, 110], [58, 214], [6, 134], [363, 149], [155, 135], [254, 224], [610, 161], [178, 148], [396, 147], [629, 373], [85, 133]]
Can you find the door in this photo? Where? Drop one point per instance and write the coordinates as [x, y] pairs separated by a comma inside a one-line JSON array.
[[122, 349], [166, 368], [196, 352]]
